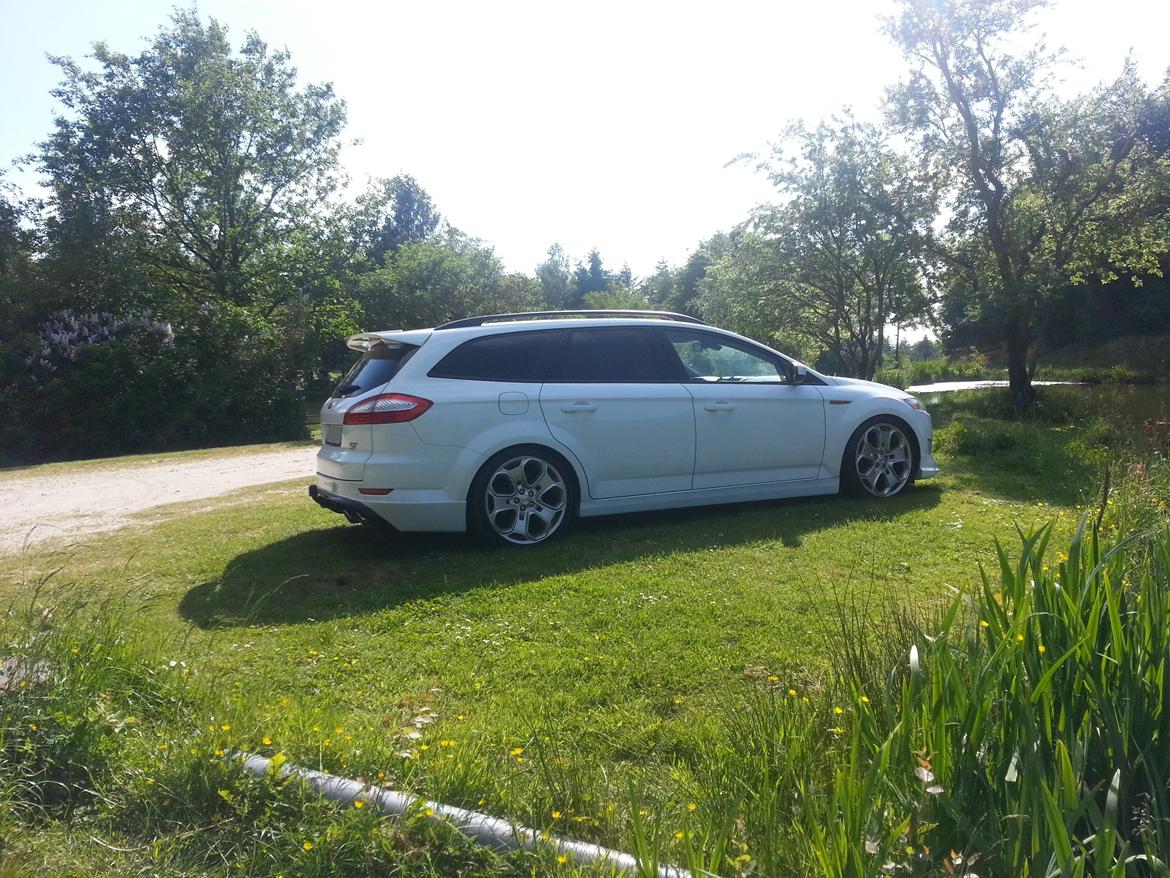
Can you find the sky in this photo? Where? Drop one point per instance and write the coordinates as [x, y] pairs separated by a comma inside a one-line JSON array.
[[592, 124]]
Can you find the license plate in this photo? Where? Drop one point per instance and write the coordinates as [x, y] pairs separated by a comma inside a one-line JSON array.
[[333, 434]]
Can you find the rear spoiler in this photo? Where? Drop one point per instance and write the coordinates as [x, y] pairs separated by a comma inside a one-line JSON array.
[[392, 338]]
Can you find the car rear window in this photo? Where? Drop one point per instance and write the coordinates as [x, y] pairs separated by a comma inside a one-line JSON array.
[[610, 356], [377, 366], [511, 356]]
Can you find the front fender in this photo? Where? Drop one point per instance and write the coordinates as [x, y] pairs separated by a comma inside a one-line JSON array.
[[843, 418]]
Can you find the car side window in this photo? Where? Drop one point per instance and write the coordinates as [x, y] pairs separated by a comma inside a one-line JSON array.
[[511, 356], [710, 359], [609, 356]]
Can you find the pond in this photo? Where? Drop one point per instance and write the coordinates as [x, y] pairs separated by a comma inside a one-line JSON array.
[[1124, 405]]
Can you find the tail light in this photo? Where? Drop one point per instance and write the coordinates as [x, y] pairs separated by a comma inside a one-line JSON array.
[[388, 408]]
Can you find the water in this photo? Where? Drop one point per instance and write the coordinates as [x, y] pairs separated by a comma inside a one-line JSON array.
[[1124, 405]]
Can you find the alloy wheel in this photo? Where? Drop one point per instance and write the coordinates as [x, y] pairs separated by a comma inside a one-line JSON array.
[[525, 500], [883, 458]]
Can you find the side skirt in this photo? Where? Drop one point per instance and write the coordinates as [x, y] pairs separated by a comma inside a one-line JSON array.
[[709, 497]]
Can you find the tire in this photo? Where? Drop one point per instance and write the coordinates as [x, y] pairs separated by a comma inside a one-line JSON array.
[[523, 496], [880, 459]]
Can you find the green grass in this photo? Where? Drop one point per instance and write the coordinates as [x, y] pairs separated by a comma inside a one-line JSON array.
[[618, 660]]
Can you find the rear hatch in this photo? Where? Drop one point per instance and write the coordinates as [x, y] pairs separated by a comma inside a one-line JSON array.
[[345, 448]]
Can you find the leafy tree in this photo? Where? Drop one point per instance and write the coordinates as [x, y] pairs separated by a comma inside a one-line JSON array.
[[839, 258], [1041, 191], [213, 161], [615, 299], [430, 282], [392, 213], [555, 279]]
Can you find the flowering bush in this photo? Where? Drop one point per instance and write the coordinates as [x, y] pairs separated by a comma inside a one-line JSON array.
[[92, 384]]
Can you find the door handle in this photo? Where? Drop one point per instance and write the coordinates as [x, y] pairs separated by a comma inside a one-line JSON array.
[[574, 407], [719, 406]]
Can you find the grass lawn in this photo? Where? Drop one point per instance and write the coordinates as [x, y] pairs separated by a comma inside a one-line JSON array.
[[526, 682]]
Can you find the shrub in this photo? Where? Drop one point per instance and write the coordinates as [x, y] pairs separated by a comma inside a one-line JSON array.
[[100, 385]]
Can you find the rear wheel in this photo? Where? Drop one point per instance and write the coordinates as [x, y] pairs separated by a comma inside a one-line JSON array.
[[522, 497], [880, 459]]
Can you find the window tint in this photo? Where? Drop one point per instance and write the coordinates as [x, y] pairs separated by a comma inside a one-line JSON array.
[[377, 366], [512, 356], [609, 356], [715, 359]]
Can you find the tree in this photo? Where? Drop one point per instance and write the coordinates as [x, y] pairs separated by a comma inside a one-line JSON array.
[[213, 160], [555, 278], [1040, 191], [840, 257], [440, 279], [589, 277], [392, 213]]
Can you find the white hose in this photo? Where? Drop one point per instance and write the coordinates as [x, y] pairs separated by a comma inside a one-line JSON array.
[[483, 828]]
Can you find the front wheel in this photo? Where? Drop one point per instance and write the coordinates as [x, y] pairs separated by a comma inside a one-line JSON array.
[[522, 497], [879, 460]]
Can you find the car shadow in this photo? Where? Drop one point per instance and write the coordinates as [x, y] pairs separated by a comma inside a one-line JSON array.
[[337, 571]]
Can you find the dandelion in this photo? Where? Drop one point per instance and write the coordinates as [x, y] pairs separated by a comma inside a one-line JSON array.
[[481, 802], [359, 804], [267, 741], [837, 730], [983, 623], [556, 815], [562, 859], [308, 846], [163, 746], [791, 693], [226, 727], [32, 727], [1019, 638], [424, 746], [430, 812], [1042, 649], [517, 751], [680, 835], [838, 710], [772, 678], [864, 699], [692, 806]]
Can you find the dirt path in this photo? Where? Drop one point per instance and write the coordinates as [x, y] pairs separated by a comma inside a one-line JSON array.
[[70, 504]]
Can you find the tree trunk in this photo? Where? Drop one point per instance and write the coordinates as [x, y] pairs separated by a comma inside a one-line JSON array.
[[1019, 377]]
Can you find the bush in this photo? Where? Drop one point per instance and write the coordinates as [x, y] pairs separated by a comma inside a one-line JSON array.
[[100, 385]]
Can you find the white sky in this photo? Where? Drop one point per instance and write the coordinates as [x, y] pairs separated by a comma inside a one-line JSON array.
[[604, 124]]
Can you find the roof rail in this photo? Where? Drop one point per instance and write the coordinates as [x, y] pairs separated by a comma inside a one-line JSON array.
[[552, 315]]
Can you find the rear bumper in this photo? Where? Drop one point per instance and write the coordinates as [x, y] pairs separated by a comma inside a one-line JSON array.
[[356, 512], [404, 509]]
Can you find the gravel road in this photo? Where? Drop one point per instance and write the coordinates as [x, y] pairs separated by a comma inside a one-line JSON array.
[[70, 504]]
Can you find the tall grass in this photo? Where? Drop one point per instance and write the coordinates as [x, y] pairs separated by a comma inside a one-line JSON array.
[[1024, 731]]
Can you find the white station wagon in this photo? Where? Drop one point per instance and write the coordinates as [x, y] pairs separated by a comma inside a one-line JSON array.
[[512, 425]]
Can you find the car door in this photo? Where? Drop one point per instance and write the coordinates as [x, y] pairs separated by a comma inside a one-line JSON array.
[[611, 397], [753, 425]]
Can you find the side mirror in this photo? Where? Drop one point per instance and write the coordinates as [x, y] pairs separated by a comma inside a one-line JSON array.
[[799, 374]]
